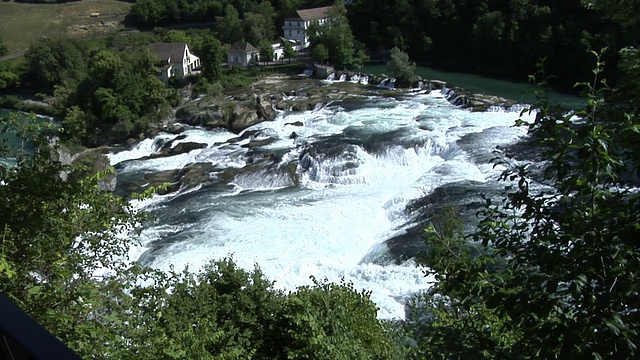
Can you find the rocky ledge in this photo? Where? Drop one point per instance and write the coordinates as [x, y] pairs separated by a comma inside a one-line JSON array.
[[241, 108]]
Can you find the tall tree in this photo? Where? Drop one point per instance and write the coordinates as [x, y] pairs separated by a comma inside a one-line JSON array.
[[623, 13], [8, 77], [336, 35], [320, 53], [266, 52], [52, 62], [258, 28], [289, 51], [265, 8], [229, 26], [212, 56], [58, 237], [401, 67]]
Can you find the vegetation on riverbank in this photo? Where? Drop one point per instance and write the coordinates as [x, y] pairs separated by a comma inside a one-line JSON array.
[[500, 38], [555, 271]]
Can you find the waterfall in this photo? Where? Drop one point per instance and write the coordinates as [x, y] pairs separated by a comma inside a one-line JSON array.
[[326, 203], [392, 84], [364, 80], [331, 76], [453, 97], [343, 77], [355, 78], [388, 83]]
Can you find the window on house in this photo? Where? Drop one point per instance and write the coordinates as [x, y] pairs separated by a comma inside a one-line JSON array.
[[298, 32]]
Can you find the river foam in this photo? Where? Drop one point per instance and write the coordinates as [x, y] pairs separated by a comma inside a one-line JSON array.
[[356, 167]]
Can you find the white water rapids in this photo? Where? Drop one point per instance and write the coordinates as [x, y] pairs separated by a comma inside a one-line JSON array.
[[368, 159]]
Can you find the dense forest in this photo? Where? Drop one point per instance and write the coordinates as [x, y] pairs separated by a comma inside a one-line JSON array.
[[550, 272], [152, 13], [492, 37], [497, 37]]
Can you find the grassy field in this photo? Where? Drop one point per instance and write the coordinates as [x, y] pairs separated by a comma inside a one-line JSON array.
[[21, 24]]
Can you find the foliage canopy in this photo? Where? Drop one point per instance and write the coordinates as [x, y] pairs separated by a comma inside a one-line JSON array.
[[558, 261]]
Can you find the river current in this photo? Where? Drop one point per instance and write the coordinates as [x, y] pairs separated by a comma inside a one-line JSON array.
[[330, 189]]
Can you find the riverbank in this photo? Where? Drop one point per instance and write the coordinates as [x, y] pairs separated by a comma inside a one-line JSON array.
[[317, 191], [240, 108], [521, 92]]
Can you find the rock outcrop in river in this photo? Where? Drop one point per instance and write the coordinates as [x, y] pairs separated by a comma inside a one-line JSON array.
[[239, 109]]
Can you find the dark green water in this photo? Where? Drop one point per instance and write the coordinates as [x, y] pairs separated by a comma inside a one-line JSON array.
[[10, 142], [11, 139], [521, 92]]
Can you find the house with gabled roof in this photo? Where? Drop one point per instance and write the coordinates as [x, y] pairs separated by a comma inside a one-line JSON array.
[[295, 27], [243, 54], [174, 59]]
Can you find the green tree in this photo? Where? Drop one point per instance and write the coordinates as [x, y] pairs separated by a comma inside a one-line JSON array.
[[560, 266], [105, 67], [622, 13], [401, 67], [176, 36], [147, 13], [221, 312], [258, 28], [266, 52], [320, 53], [259, 23], [75, 125], [229, 26], [489, 33], [118, 98], [289, 51], [8, 77], [336, 35], [334, 321], [211, 56], [53, 62], [265, 8], [58, 238], [443, 325]]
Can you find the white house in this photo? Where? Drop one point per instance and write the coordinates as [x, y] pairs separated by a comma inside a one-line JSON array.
[[174, 59], [278, 48], [295, 27], [278, 51], [242, 53]]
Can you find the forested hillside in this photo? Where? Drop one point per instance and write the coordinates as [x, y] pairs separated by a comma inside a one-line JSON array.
[[496, 37], [151, 13], [491, 37]]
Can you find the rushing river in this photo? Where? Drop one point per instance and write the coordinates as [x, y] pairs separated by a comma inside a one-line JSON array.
[[326, 200]]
